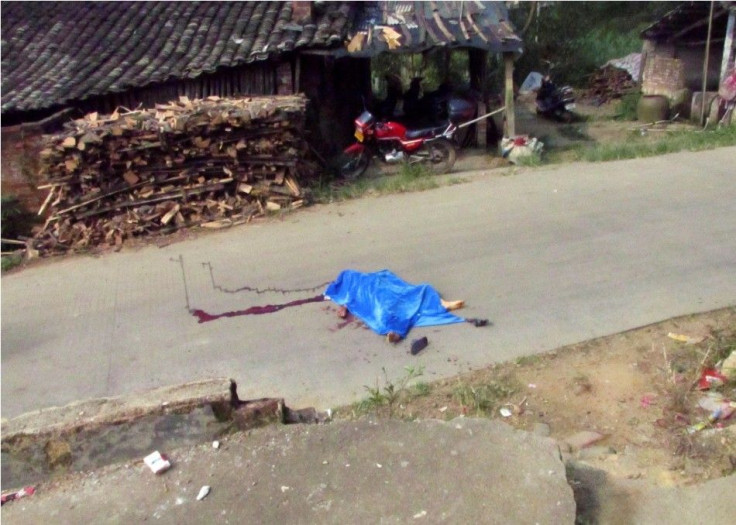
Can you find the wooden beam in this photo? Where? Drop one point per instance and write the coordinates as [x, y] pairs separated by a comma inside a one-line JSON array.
[[477, 60], [698, 23], [508, 60]]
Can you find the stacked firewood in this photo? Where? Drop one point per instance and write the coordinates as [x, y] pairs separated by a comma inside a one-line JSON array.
[[608, 83], [211, 162]]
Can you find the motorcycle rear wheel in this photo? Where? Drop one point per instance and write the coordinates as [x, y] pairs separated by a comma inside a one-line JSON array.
[[439, 155], [350, 166]]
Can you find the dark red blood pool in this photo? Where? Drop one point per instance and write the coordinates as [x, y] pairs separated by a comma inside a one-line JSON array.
[[205, 317]]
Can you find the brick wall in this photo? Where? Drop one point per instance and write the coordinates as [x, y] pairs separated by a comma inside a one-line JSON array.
[[662, 75], [21, 147]]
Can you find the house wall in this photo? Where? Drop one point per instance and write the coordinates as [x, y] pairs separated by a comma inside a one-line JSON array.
[[257, 79], [334, 89], [662, 75], [21, 147], [691, 60]]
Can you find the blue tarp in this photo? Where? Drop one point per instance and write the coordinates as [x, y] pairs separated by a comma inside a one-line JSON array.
[[386, 303]]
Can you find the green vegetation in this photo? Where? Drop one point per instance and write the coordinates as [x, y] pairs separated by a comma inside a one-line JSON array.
[[415, 177], [420, 389], [528, 360], [670, 143], [626, 109], [11, 261], [483, 399], [531, 161], [594, 32], [434, 67], [388, 395], [410, 177]]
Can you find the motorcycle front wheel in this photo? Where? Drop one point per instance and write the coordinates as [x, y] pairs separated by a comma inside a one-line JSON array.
[[438, 155], [350, 166]]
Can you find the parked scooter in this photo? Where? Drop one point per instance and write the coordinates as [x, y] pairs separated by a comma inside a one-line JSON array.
[[555, 102]]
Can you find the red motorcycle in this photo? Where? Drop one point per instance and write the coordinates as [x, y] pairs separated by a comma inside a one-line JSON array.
[[393, 142]]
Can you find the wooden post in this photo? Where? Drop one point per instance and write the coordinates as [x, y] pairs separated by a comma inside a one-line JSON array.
[[298, 74], [508, 59], [477, 64]]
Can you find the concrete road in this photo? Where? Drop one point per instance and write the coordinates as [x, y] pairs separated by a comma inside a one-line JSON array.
[[551, 256]]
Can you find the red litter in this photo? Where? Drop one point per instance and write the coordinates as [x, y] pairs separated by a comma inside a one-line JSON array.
[[10, 496], [711, 378]]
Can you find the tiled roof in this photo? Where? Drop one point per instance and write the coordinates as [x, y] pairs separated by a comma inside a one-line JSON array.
[[417, 26], [55, 52]]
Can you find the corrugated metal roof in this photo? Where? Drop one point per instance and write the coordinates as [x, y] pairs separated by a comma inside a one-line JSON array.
[[55, 52], [688, 22], [417, 26]]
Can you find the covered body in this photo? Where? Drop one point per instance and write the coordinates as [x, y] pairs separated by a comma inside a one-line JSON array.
[[386, 303]]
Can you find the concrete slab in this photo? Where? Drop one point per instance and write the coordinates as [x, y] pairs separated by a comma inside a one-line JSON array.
[[461, 471], [604, 499]]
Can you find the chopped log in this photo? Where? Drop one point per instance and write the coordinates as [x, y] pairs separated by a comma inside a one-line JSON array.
[[170, 214], [46, 201]]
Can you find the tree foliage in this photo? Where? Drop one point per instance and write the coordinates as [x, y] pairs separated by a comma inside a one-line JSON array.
[[579, 37], [435, 67]]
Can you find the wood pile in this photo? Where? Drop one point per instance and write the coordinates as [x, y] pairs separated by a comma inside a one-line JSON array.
[[608, 83], [211, 162]]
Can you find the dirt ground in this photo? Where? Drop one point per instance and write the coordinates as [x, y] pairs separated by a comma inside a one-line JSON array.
[[593, 123], [637, 389]]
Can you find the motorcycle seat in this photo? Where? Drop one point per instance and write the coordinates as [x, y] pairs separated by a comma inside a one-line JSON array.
[[421, 133]]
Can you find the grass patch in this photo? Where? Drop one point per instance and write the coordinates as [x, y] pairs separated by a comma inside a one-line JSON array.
[[640, 146], [384, 398], [11, 261], [530, 161], [528, 360], [409, 177], [671, 143], [626, 109], [420, 389], [483, 399]]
